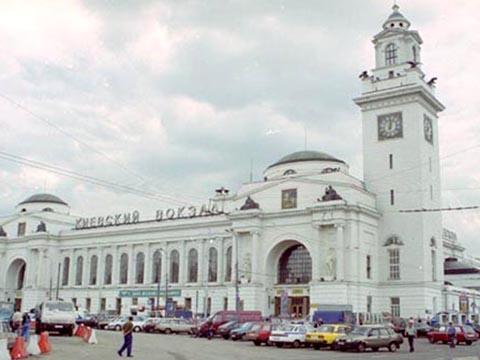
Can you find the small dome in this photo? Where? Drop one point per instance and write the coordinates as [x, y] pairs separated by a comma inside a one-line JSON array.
[[306, 156], [396, 18], [43, 198]]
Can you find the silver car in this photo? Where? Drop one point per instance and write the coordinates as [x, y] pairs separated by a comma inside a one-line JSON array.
[[169, 326]]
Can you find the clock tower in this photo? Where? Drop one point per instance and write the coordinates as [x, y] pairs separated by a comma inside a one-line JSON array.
[[401, 166]]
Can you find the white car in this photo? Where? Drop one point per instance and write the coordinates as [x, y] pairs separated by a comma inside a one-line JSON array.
[[293, 334], [176, 326], [117, 324]]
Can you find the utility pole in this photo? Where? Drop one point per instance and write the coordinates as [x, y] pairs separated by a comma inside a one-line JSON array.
[[58, 282]]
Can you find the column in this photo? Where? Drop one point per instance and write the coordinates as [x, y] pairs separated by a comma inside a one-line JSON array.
[[71, 270], [355, 260], [234, 257], [165, 265], [115, 265], [30, 280], [254, 275], [204, 264], [147, 278], [183, 263], [221, 262], [131, 266], [86, 268], [339, 253], [39, 276], [101, 267]]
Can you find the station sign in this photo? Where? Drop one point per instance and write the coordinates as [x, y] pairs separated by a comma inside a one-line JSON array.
[[148, 293]]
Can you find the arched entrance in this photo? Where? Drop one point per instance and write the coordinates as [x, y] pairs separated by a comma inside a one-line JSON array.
[[292, 266], [15, 281]]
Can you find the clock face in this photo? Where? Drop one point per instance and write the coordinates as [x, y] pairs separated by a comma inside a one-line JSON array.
[[428, 129], [390, 126]]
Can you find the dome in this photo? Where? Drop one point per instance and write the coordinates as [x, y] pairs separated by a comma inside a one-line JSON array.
[[43, 198], [396, 16], [306, 156]]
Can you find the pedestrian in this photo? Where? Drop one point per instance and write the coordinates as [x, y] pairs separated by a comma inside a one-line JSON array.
[[26, 327], [451, 332], [411, 334], [17, 322], [127, 338]]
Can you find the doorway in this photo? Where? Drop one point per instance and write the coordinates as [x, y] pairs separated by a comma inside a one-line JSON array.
[[298, 306]]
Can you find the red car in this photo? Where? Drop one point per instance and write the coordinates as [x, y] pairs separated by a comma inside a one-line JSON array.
[[222, 317], [260, 334], [463, 334]]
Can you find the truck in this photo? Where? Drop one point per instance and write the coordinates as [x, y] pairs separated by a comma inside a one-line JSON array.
[[55, 316], [334, 314]]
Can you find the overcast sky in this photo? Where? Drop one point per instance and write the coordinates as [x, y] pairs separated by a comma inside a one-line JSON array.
[[175, 97]]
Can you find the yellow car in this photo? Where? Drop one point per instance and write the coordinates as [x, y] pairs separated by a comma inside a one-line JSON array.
[[326, 335]]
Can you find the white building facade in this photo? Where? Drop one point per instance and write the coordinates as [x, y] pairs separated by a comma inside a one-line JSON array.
[[308, 233]]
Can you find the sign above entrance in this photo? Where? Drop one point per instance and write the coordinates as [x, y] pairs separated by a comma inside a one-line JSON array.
[[182, 212], [148, 293]]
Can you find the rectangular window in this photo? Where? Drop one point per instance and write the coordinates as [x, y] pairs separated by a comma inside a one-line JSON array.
[[434, 265], [88, 304], [369, 267], [74, 302], [134, 301], [21, 229], [188, 303], [289, 199], [103, 304], [395, 306], [225, 303], [390, 161], [394, 261], [118, 305], [209, 306], [392, 197], [369, 304]]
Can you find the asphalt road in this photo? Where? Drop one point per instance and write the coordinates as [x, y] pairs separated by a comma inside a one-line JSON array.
[[183, 347]]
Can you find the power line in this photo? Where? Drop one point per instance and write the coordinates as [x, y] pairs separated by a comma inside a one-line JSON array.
[[459, 208], [85, 178]]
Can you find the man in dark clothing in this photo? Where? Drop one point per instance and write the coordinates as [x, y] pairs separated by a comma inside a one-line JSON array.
[[411, 333], [127, 338]]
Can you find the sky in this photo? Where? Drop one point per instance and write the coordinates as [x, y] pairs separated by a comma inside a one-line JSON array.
[[178, 98]]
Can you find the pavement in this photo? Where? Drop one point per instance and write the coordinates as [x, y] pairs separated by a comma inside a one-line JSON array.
[[184, 347]]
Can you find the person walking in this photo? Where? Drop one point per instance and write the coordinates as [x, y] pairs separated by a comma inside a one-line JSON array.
[[17, 322], [451, 333], [26, 327], [127, 338], [411, 334]]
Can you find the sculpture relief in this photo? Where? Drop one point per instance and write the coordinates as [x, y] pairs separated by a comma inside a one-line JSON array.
[[330, 194], [331, 263], [249, 204], [247, 268]]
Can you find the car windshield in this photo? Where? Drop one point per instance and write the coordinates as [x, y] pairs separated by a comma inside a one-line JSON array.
[[325, 328], [245, 326], [468, 329], [60, 306], [256, 327], [360, 330]]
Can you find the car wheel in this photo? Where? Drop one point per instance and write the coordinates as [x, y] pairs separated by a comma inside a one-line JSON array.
[[392, 347], [118, 328], [468, 342], [279, 345], [296, 344], [226, 337], [268, 343], [168, 331], [316, 347], [374, 349], [430, 340], [257, 343], [361, 347], [137, 329]]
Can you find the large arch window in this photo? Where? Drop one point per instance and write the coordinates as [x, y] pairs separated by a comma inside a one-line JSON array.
[[21, 276], [228, 268], [295, 266], [193, 266], [123, 268], [174, 266], [107, 276], [212, 264], [79, 273], [66, 271], [390, 54], [140, 268], [157, 267], [93, 270]]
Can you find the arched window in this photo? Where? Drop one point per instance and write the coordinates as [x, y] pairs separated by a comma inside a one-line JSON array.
[[228, 262], [212, 264], [79, 274], [390, 54], [174, 266], [107, 276], [295, 266], [123, 268], [66, 271], [93, 270], [192, 266], [21, 277], [140, 268], [157, 267]]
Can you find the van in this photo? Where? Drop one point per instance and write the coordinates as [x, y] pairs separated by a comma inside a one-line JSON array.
[[55, 316], [222, 317]]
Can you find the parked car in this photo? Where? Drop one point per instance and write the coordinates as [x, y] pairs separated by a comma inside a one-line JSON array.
[[88, 320], [103, 319], [175, 326], [422, 329], [117, 324], [241, 331], [259, 334], [293, 334], [370, 336], [326, 335], [463, 334], [222, 317], [58, 316], [225, 329], [150, 325], [6, 333]]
